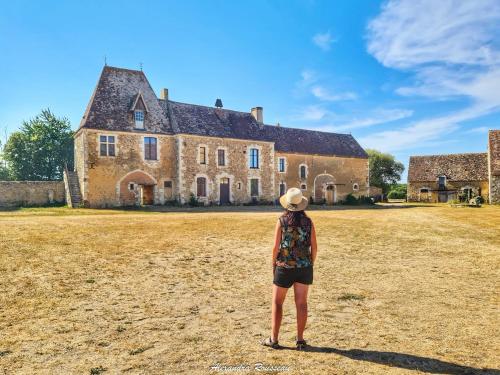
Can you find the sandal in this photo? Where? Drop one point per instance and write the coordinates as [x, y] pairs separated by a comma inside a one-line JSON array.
[[301, 344], [270, 343]]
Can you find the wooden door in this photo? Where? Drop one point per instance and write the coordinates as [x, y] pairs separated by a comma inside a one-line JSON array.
[[443, 197], [224, 191], [147, 195], [330, 194]]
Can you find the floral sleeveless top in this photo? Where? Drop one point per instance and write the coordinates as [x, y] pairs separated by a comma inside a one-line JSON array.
[[295, 245]]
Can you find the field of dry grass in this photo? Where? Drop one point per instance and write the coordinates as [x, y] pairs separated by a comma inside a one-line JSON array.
[[396, 290]]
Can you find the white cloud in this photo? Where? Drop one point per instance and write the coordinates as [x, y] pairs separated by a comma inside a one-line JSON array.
[[323, 94], [378, 117], [312, 113], [453, 50], [324, 40], [421, 132], [478, 130]]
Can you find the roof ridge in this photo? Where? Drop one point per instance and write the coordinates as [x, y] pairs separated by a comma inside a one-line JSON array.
[[451, 154], [123, 69], [309, 130], [207, 106], [249, 114]]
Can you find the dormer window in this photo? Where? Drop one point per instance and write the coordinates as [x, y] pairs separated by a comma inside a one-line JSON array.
[[139, 119]]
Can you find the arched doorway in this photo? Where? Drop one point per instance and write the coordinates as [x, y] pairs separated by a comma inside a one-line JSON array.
[[137, 188], [324, 188]]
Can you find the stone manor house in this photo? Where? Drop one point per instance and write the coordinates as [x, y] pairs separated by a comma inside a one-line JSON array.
[[133, 148], [440, 178]]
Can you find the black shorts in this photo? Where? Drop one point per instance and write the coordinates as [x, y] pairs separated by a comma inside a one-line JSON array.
[[285, 277]]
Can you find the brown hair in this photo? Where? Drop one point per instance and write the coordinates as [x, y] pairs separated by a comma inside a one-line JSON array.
[[294, 218]]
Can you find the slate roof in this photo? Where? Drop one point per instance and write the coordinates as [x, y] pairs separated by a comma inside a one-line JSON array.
[[456, 167], [118, 88]]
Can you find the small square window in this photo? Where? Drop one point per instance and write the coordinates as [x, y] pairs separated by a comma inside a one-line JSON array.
[[239, 186], [303, 187], [167, 184], [107, 145], [131, 186]]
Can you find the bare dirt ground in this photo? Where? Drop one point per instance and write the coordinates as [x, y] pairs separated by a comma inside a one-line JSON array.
[[396, 291]]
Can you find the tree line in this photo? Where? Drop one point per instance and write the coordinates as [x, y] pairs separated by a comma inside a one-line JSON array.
[[39, 150]]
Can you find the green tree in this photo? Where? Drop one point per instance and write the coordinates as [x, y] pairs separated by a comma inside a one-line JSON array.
[[4, 171], [397, 191], [385, 170], [40, 149]]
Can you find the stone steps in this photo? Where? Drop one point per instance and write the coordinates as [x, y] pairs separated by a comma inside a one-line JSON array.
[[73, 185]]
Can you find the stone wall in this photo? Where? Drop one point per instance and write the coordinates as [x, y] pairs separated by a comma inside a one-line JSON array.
[[236, 169], [31, 193], [346, 175], [103, 179], [414, 194], [494, 165]]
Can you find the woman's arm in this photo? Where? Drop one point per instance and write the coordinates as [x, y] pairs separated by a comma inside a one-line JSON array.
[[277, 240], [314, 244]]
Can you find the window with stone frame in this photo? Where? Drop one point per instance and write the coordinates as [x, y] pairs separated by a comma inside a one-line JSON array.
[[201, 187], [254, 158], [282, 188], [139, 119], [303, 172], [281, 165], [202, 151], [221, 157], [107, 145], [254, 187], [150, 148]]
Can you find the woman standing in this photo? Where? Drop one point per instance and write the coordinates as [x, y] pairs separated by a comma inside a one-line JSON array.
[[294, 253]]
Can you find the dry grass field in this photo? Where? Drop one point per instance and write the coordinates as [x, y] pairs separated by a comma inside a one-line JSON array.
[[396, 291]]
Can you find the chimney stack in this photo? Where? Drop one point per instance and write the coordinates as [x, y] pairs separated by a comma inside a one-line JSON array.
[[164, 94], [257, 114]]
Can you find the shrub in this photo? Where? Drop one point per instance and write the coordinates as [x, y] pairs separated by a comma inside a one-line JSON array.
[[193, 201], [351, 200], [398, 191]]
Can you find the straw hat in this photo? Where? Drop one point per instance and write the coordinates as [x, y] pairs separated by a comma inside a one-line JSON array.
[[293, 200]]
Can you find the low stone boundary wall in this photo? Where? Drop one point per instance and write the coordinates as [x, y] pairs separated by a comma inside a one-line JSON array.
[[31, 193]]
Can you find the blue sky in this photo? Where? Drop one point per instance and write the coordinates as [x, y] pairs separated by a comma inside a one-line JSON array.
[[405, 77]]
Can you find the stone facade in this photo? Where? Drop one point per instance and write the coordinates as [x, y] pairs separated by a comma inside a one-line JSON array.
[[440, 178], [201, 151], [494, 165], [429, 191], [117, 180], [327, 178], [235, 168], [31, 193]]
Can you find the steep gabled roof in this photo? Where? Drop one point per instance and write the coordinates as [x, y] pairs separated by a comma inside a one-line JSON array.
[[109, 107], [456, 167], [119, 90], [139, 100]]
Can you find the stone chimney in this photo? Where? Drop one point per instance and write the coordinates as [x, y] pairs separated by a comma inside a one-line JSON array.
[[164, 94], [257, 114]]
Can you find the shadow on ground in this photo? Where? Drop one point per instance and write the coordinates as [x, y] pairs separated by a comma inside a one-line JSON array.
[[401, 360], [269, 208]]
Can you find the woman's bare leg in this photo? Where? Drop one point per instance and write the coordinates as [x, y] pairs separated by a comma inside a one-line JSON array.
[[300, 293], [279, 295]]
